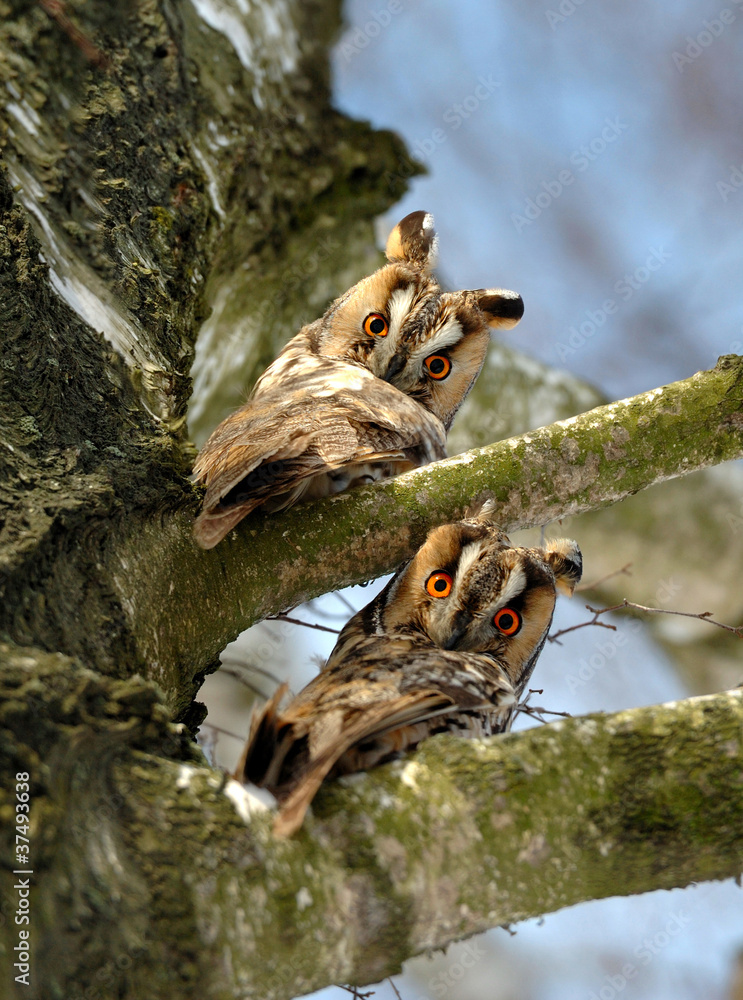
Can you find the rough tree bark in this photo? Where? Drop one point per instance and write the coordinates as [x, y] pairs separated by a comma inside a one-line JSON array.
[[159, 156]]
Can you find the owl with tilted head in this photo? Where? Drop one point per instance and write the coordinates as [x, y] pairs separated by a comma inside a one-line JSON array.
[[367, 391], [448, 646]]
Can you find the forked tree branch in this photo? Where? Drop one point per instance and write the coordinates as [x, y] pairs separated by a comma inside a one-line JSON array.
[[185, 604], [147, 880], [460, 837]]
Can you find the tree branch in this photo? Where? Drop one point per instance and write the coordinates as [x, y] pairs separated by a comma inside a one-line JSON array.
[[585, 463], [459, 837], [199, 163]]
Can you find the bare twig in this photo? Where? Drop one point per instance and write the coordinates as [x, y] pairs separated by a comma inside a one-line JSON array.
[[219, 729], [704, 616], [536, 711], [324, 612], [298, 621], [624, 571], [396, 991], [356, 994], [594, 621], [347, 604], [225, 669]]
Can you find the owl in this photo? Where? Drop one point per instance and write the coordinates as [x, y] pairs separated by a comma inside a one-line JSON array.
[[447, 646], [468, 588], [367, 391]]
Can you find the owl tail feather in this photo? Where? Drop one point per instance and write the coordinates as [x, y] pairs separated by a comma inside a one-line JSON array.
[[369, 725], [261, 760], [293, 809], [211, 526]]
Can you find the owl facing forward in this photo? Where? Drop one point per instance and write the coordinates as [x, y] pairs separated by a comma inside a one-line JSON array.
[[367, 391], [468, 588], [447, 646]]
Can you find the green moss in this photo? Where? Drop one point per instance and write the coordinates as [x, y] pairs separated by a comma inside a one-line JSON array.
[[162, 218]]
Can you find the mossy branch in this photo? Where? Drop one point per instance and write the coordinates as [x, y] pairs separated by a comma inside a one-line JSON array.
[[460, 837], [186, 604]]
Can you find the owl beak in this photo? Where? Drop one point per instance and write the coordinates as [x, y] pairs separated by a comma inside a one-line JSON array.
[[458, 629], [397, 363]]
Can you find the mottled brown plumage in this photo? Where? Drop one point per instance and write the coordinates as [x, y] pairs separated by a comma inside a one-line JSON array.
[[365, 392], [448, 645], [391, 694]]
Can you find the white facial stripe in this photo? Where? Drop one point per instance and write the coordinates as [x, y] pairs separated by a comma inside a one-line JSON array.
[[514, 586], [447, 335], [469, 555], [399, 306]]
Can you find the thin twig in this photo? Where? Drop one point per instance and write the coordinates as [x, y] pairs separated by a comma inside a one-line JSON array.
[[298, 621], [224, 669], [356, 994], [594, 621], [347, 604], [704, 616], [219, 729], [536, 711], [624, 571], [397, 992], [323, 612]]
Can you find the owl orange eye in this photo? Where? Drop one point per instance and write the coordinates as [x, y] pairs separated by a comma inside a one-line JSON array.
[[439, 584], [376, 325], [507, 621], [438, 366]]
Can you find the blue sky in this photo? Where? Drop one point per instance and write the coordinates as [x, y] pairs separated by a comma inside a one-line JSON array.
[[650, 136]]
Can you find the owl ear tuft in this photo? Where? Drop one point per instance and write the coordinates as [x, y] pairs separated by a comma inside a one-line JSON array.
[[564, 557], [483, 512], [414, 241], [503, 309]]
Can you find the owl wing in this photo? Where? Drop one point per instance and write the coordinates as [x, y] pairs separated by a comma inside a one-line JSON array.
[[386, 699], [335, 416]]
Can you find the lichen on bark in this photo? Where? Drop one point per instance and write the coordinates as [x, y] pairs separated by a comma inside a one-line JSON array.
[[143, 173], [583, 463], [175, 889]]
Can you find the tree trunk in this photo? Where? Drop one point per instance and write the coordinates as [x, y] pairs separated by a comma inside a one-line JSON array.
[[159, 159]]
